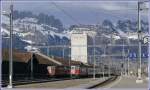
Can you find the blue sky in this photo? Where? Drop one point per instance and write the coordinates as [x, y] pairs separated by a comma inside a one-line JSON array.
[[83, 12]]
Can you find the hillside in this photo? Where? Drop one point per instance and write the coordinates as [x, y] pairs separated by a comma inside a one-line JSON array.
[[28, 31]]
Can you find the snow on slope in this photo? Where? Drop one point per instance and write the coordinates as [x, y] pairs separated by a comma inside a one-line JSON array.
[[116, 37], [31, 48], [4, 31], [132, 36], [28, 27], [25, 34], [28, 41], [31, 23], [61, 35], [121, 33], [28, 20], [4, 19]]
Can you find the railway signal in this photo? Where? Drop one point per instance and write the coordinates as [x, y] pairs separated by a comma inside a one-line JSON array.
[[146, 39]]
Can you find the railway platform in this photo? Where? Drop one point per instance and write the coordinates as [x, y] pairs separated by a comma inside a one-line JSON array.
[[63, 84]]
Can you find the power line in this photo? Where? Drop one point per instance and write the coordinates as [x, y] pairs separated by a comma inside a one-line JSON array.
[[75, 20], [66, 13]]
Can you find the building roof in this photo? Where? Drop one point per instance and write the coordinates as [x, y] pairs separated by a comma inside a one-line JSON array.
[[66, 62], [25, 57], [43, 59], [17, 56]]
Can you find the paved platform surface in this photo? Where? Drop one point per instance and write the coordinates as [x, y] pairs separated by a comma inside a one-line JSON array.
[[57, 84], [120, 82], [127, 82], [65, 84], [90, 84], [31, 81]]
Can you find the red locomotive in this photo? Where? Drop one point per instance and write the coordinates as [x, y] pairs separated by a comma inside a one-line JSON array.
[[58, 71], [74, 69]]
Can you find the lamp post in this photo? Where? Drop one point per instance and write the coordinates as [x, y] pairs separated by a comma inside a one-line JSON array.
[[31, 68], [48, 51], [128, 52], [139, 79], [94, 59], [128, 63], [10, 52], [63, 52], [124, 58], [70, 65], [110, 62], [104, 60]]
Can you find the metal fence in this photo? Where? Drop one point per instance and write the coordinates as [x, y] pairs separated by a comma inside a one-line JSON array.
[[110, 58]]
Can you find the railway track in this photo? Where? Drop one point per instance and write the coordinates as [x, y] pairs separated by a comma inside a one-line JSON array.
[[106, 82]]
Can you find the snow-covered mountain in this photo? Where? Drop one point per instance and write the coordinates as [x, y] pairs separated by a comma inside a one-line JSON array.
[[123, 29], [32, 31], [29, 31]]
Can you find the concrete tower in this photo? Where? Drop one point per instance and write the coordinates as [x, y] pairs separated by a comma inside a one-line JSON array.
[[79, 44]]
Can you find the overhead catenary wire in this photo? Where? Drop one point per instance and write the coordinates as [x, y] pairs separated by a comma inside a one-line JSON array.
[[66, 13], [116, 11], [102, 11], [113, 14]]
